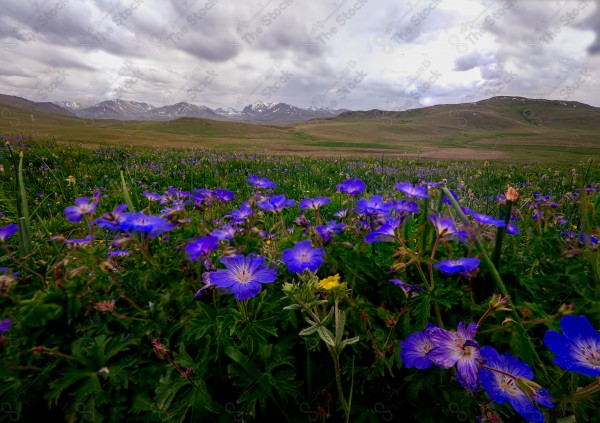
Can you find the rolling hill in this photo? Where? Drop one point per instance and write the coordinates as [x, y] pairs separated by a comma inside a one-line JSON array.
[[511, 128]]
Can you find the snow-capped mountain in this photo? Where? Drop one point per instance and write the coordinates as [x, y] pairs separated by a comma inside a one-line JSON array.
[[116, 109], [284, 113], [227, 111], [259, 112], [184, 109]]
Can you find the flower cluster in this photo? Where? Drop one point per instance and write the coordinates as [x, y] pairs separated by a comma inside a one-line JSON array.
[[503, 377]]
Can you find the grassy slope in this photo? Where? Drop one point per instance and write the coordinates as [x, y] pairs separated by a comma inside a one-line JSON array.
[[490, 129]]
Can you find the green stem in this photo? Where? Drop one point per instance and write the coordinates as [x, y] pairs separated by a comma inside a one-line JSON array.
[[486, 259], [500, 234]]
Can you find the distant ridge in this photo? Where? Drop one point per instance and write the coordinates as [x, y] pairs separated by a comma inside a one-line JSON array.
[[259, 112]]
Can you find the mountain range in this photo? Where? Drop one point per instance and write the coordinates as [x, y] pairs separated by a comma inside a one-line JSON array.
[[260, 113], [505, 127]]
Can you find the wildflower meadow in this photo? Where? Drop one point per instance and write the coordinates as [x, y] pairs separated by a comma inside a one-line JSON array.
[[175, 285]]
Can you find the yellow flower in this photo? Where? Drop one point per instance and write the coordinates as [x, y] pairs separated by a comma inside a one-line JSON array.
[[330, 282]]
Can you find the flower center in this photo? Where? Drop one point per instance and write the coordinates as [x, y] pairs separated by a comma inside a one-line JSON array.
[[508, 385], [244, 276], [590, 355]]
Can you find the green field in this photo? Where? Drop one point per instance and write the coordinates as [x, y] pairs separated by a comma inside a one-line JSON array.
[[494, 129]]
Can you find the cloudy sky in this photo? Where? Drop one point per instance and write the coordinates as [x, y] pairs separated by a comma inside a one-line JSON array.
[[356, 54]]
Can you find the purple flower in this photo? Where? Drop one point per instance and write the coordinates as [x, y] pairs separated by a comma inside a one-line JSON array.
[[240, 216], [445, 228], [446, 201], [154, 225], [313, 203], [276, 204], [457, 348], [406, 288], [118, 253], [82, 206], [463, 266], [71, 242], [303, 256], [351, 186], [208, 196], [513, 229], [329, 229], [226, 232], [243, 276], [372, 206], [385, 233], [412, 191], [151, 196], [8, 231], [582, 237], [578, 350], [201, 247], [260, 182], [341, 213], [406, 206], [501, 387], [415, 349], [112, 219], [484, 218], [4, 326], [224, 195]]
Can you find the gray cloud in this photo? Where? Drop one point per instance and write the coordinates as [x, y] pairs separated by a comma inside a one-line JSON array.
[[222, 52]]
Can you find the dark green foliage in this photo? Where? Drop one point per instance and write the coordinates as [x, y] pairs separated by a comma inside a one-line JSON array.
[[65, 358]]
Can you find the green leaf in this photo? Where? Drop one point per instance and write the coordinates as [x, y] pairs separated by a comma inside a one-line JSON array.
[[253, 371], [522, 345], [309, 330], [327, 318], [341, 323], [326, 335], [126, 193], [292, 307]]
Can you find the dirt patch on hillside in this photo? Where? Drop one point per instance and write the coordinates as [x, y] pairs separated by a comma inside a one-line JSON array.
[[465, 154]]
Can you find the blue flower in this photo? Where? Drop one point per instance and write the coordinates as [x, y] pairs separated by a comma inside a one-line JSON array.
[[415, 349], [243, 276], [456, 348], [412, 191], [578, 350], [314, 203], [385, 233], [372, 206], [445, 228], [351, 186], [513, 229], [4, 326], [240, 216], [329, 229], [112, 219], [406, 206], [510, 380], [154, 225], [226, 232], [484, 218], [260, 182], [8, 231], [446, 201], [224, 195], [406, 288], [151, 196], [303, 256], [276, 204], [463, 266], [82, 207], [118, 253], [201, 247]]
